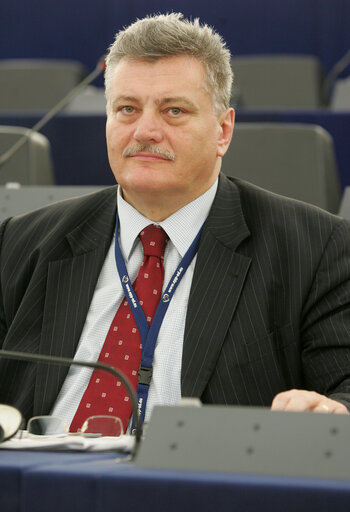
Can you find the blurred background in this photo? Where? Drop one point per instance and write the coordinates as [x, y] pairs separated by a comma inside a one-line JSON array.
[[83, 29]]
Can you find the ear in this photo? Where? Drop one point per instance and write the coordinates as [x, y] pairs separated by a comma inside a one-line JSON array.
[[226, 124]]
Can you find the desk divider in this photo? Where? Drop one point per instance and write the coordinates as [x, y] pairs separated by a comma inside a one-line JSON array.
[[247, 440]]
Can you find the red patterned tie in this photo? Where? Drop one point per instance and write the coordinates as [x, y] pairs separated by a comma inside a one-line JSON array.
[[122, 348]]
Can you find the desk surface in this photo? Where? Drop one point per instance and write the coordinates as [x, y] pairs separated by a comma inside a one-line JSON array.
[[50, 482]]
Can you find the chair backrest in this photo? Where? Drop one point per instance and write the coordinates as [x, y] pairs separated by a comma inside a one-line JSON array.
[[340, 99], [91, 100], [278, 81], [31, 164], [295, 160], [16, 201], [344, 210], [34, 84]]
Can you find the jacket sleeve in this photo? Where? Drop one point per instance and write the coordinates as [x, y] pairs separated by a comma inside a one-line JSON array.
[[325, 323], [3, 325]]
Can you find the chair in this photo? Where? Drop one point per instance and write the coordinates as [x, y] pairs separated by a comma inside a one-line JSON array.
[[19, 200], [295, 160], [344, 210], [90, 101], [340, 99], [34, 84], [31, 164], [278, 81]]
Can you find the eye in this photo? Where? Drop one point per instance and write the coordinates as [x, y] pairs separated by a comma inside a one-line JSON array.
[[127, 109], [175, 111]]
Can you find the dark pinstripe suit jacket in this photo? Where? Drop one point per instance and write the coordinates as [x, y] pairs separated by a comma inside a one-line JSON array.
[[269, 306]]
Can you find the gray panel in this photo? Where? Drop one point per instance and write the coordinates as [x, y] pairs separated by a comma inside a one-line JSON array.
[[278, 81], [341, 94], [294, 160], [21, 200], [36, 84], [247, 440], [30, 163], [345, 204]]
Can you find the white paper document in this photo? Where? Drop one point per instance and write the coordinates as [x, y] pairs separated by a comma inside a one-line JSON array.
[[124, 443]]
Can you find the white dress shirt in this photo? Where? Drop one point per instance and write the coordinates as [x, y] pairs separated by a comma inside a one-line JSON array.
[[181, 228]]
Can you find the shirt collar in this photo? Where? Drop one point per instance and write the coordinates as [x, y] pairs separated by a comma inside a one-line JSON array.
[[181, 227]]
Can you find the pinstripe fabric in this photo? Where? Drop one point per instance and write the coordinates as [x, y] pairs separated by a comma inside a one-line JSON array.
[[50, 262], [269, 306]]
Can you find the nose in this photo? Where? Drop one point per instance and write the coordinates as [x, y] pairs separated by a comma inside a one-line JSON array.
[[148, 128]]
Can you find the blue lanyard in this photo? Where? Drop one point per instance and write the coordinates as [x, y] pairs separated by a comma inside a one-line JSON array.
[[149, 334]]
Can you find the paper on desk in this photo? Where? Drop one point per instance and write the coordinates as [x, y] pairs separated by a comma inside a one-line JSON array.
[[124, 444]]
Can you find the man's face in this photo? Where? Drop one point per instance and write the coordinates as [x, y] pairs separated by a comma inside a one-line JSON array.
[[164, 139]]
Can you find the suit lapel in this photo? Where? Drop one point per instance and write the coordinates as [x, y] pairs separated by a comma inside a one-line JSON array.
[[71, 281], [217, 283]]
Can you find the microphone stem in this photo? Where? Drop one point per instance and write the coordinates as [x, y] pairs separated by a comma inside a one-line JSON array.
[[63, 102], [8, 354], [51, 113]]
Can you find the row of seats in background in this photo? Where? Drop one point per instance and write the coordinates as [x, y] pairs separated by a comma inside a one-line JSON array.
[[262, 81], [290, 159], [294, 160]]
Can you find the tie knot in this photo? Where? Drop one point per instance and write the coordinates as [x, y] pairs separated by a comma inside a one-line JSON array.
[[154, 240]]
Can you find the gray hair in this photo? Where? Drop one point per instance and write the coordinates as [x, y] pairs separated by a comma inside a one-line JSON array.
[[166, 35]]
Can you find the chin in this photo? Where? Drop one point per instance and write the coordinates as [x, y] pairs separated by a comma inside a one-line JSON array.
[[147, 180], [149, 188]]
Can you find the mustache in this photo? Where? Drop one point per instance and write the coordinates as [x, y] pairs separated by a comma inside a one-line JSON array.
[[148, 148]]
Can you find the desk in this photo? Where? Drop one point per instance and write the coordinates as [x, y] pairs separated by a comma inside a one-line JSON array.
[[72, 482], [79, 146]]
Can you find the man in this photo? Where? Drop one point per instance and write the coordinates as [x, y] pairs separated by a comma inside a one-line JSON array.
[[261, 316]]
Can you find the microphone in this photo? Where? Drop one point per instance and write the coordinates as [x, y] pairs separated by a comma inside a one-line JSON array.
[[100, 68], [63, 361]]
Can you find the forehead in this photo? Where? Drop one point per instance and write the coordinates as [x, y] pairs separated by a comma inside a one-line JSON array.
[[165, 76]]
